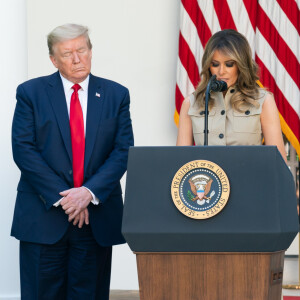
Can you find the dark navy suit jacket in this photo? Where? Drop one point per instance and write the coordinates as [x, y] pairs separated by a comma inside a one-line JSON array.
[[42, 150]]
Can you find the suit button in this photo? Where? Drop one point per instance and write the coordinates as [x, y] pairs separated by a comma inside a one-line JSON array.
[[70, 172], [247, 112], [221, 135], [223, 112], [203, 112]]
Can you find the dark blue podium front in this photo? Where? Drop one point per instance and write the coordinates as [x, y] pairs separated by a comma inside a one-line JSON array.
[[260, 215]]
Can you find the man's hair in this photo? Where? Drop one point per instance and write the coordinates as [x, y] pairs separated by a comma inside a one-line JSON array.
[[67, 32]]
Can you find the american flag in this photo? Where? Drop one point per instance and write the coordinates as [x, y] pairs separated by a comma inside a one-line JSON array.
[[272, 28]]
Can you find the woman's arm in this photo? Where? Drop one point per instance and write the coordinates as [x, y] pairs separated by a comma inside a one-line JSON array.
[[185, 129], [270, 124]]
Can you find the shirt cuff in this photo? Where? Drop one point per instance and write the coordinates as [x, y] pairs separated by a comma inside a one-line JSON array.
[[95, 200], [56, 204]]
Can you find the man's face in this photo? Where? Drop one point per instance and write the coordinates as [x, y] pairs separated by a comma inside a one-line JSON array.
[[73, 59]]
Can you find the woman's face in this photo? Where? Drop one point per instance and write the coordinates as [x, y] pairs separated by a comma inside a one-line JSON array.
[[224, 68]]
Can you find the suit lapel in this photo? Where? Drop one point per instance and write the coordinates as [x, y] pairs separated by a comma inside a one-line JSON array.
[[57, 98], [94, 114]]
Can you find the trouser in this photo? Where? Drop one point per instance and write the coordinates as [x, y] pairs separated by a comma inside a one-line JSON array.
[[76, 267]]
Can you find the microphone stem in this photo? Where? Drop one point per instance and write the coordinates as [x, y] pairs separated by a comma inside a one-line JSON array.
[[207, 96]]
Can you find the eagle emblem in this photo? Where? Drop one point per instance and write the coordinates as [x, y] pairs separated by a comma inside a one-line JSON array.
[[200, 187]]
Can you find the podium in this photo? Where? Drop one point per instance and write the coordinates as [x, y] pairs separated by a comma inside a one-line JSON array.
[[237, 254]]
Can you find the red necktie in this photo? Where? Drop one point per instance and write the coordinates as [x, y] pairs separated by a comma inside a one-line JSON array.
[[77, 137]]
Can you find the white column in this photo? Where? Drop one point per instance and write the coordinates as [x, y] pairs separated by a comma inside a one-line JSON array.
[[13, 71]]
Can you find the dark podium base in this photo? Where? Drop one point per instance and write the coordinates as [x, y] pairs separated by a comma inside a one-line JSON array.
[[210, 276]]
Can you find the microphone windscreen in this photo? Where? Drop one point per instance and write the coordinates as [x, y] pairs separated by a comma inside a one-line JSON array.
[[218, 86], [223, 86]]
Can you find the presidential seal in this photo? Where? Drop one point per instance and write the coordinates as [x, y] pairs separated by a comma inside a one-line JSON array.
[[200, 189]]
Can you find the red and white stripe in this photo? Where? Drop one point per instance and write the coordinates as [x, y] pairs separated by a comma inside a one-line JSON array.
[[272, 28]]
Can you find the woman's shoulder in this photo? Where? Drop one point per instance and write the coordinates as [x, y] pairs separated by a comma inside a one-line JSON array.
[[185, 106], [191, 104], [263, 94], [269, 99], [191, 99], [187, 101]]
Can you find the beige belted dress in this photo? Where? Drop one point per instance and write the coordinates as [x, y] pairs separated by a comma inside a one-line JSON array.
[[227, 126]]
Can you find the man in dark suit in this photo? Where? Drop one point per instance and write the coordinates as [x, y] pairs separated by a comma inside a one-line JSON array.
[[70, 137]]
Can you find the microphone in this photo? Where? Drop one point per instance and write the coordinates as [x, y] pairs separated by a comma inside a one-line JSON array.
[[217, 85]]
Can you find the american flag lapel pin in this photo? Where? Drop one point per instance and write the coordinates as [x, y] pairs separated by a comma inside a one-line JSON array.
[[98, 95]]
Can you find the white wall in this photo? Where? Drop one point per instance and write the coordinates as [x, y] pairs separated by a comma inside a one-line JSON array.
[[13, 53], [135, 42]]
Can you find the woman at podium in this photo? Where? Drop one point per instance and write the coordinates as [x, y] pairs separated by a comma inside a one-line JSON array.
[[243, 114]]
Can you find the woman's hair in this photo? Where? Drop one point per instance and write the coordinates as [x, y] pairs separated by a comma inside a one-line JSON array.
[[67, 32], [233, 44]]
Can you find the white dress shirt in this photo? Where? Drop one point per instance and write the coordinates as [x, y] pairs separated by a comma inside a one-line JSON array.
[[83, 99]]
